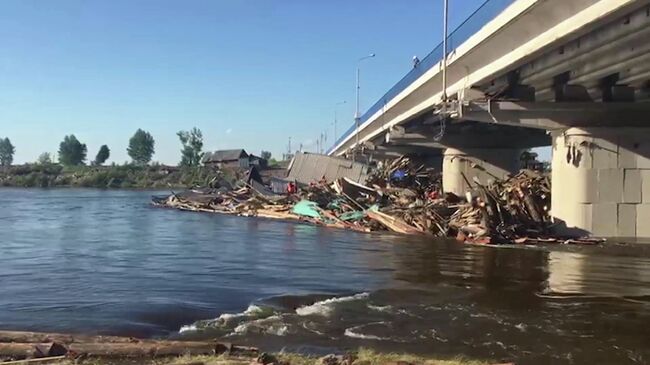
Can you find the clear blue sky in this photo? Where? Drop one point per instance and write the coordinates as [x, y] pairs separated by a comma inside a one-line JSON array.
[[249, 73]]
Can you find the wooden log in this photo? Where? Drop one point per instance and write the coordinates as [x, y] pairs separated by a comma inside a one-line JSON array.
[[147, 349], [392, 223], [269, 213], [34, 361], [34, 344], [18, 351], [37, 337]]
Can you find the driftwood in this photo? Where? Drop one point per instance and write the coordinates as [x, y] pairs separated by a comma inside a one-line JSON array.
[[28, 345], [147, 349], [39, 337], [392, 223], [34, 361]]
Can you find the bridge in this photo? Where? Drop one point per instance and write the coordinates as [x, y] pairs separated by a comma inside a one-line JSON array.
[[571, 74]]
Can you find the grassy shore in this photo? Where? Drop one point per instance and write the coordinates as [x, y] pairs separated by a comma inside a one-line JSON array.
[[361, 357], [114, 176]]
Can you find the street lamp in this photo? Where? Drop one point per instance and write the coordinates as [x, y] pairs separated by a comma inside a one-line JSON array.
[[356, 113], [443, 110], [336, 138]]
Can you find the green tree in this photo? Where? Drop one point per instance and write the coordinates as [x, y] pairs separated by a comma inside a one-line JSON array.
[[527, 157], [7, 151], [266, 155], [44, 158], [141, 147], [192, 146], [71, 151], [103, 155]]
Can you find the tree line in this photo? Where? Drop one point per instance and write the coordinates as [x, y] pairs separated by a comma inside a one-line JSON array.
[[141, 149]]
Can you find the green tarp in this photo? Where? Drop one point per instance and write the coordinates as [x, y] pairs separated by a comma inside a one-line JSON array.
[[306, 208], [352, 216]]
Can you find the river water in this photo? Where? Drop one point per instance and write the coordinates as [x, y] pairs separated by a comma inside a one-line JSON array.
[[106, 262]]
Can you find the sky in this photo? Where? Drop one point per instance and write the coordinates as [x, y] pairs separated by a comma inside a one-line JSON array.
[[248, 73]]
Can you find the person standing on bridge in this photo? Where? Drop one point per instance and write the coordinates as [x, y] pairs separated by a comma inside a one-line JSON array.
[[416, 61]]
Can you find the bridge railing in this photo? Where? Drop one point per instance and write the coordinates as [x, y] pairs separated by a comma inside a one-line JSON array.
[[485, 13]]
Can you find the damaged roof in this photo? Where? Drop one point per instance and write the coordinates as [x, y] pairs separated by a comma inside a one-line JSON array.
[[224, 155]]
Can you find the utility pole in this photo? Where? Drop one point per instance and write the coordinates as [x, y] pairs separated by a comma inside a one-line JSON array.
[[287, 156]]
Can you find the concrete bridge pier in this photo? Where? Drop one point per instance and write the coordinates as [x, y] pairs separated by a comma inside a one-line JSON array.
[[601, 181], [481, 163]]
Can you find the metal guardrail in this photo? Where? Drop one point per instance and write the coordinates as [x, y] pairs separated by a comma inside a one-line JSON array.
[[485, 13]]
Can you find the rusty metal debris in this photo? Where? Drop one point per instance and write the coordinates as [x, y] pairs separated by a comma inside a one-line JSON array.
[[398, 196]]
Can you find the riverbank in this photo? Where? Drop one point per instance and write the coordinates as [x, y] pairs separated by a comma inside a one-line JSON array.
[[104, 177], [33, 347], [360, 357]]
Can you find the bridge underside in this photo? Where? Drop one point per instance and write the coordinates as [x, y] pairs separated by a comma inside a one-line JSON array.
[[600, 165], [586, 94]]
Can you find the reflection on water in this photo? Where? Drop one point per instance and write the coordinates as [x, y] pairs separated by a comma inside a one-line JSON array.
[[598, 275], [105, 262]]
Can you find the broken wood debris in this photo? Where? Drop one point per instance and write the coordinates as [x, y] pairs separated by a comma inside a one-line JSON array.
[[399, 196]]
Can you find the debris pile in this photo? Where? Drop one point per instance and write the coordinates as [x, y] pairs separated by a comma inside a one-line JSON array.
[[506, 210], [399, 196]]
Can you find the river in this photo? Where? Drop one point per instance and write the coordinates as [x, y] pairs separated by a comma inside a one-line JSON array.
[[105, 262]]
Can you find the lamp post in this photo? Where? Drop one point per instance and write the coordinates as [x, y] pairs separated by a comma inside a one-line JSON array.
[[356, 113], [336, 137], [444, 57], [444, 98]]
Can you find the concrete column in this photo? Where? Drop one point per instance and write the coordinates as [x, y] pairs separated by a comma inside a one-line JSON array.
[[483, 163], [601, 181]]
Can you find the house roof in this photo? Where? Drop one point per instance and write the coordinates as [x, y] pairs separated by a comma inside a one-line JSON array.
[[224, 155], [254, 157], [308, 167]]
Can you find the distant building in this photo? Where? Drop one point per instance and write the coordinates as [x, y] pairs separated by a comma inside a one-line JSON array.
[[226, 158], [257, 161], [233, 158]]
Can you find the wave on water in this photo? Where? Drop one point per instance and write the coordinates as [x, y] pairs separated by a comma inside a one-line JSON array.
[[226, 319], [325, 307], [380, 308], [188, 328], [272, 325], [354, 332], [266, 317]]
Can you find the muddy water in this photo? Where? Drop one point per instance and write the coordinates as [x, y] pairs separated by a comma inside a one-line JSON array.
[[105, 262]]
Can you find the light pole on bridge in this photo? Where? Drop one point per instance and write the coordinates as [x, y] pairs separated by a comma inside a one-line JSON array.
[[356, 113], [336, 137], [443, 110]]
